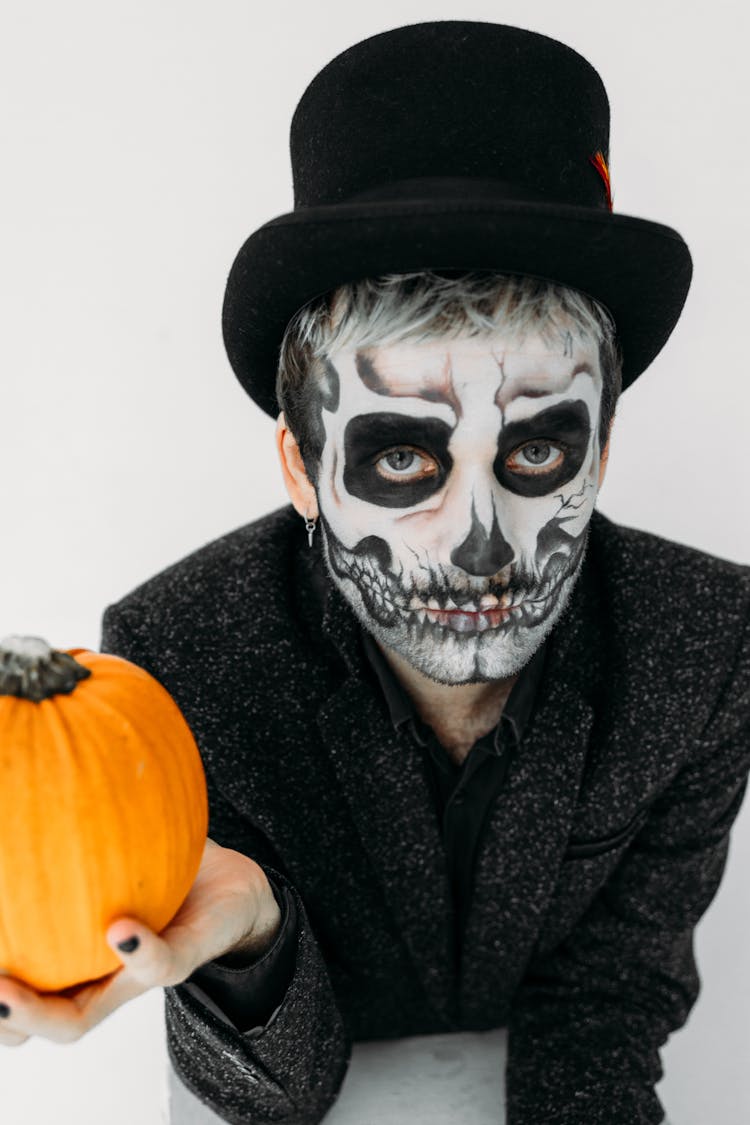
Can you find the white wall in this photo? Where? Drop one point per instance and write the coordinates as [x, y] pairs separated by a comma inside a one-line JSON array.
[[140, 144]]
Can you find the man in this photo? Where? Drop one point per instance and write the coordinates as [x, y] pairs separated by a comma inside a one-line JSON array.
[[484, 745]]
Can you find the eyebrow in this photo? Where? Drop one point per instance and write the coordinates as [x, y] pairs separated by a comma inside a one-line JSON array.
[[529, 390], [369, 434], [569, 421], [434, 388]]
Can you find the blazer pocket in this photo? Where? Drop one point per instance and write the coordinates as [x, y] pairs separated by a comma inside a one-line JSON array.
[[583, 848]]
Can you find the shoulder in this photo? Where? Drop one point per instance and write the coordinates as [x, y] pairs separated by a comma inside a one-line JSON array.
[[231, 631], [675, 617], [240, 584], [642, 571], [229, 567]]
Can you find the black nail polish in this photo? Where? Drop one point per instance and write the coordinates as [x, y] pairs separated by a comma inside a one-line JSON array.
[[130, 945], [4, 1011]]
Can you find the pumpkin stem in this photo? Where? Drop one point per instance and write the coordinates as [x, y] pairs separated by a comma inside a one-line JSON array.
[[32, 669]]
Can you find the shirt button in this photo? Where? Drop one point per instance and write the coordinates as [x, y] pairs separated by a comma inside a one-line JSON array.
[[459, 799]]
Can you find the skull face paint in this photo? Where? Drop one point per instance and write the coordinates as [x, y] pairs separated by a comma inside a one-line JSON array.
[[456, 484]]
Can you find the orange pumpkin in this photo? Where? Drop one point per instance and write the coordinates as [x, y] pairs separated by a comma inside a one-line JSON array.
[[103, 808]]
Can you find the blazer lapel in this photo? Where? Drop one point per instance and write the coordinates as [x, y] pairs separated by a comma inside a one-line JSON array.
[[523, 843], [381, 776], [528, 825]]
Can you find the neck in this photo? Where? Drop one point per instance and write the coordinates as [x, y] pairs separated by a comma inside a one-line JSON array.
[[458, 713]]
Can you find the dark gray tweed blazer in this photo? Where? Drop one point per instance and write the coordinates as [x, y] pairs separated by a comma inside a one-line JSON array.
[[604, 849]]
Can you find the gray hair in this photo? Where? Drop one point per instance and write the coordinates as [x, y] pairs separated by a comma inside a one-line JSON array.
[[422, 306]]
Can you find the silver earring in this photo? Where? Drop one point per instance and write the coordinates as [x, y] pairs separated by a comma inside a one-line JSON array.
[[310, 528]]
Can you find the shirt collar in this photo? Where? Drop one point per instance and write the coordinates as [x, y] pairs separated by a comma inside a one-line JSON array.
[[515, 714]]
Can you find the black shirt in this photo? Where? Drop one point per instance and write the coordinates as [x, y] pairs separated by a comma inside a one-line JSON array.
[[249, 993], [462, 793]]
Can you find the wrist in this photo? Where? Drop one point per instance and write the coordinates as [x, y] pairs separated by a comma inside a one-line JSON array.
[[262, 935]]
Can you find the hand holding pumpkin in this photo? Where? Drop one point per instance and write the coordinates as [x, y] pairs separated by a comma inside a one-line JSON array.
[[229, 907], [103, 836]]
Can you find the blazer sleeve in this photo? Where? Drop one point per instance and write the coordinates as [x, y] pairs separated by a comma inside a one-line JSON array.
[[588, 1018], [289, 1069], [248, 992]]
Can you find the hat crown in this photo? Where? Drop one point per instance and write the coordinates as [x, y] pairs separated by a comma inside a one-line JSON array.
[[517, 112], [452, 145]]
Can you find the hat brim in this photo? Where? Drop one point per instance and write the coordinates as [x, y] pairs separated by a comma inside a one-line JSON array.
[[640, 270]]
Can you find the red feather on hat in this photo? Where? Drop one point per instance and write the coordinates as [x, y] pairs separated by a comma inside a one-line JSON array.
[[601, 166]]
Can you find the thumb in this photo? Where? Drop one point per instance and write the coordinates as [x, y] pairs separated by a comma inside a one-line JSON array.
[[139, 948]]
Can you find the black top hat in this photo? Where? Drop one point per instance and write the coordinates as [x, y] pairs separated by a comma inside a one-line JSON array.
[[443, 145]]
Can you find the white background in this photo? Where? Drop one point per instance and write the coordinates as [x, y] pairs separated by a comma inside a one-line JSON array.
[[140, 144]]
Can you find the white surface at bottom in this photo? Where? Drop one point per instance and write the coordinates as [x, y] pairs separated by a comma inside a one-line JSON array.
[[440, 1079]]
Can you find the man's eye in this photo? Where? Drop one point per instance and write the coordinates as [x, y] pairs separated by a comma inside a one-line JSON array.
[[405, 463], [535, 457]]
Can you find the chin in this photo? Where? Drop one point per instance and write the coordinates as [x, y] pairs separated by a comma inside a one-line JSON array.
[[469, 656]]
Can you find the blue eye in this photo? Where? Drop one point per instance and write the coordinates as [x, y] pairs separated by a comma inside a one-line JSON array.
[[405, 463], [535, 455], [400, 459]]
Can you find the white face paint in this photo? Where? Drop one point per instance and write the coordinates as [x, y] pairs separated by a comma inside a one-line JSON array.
[[456, 484]]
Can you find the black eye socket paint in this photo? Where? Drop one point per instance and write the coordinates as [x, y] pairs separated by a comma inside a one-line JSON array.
[[329, 387], [368, 436], [567, 423]]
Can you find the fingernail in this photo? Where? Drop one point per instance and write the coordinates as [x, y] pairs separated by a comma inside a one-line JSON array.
[[130, 945], [4, 1011]]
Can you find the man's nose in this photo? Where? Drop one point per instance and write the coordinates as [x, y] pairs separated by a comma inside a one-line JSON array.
[[483, 552]]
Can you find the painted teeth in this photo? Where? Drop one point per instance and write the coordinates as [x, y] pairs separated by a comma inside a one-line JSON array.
[[484, 604], [425, 610]]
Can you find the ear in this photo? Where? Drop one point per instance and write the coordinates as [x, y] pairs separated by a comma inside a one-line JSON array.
[[605, 454], [301, 492]]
